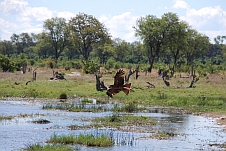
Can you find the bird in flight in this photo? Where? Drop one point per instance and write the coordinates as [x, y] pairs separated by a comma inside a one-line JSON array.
[[119, 84]]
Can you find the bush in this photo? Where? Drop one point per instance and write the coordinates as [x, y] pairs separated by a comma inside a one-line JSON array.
[[63, 96], [90, 67], [6, 64]]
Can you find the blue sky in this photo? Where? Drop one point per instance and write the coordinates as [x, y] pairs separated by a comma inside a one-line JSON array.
[[119, 16]]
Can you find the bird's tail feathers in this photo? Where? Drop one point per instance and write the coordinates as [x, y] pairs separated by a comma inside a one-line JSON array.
[[126, 88]]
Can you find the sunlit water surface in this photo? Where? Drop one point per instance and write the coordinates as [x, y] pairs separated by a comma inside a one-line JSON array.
[[192, 132]]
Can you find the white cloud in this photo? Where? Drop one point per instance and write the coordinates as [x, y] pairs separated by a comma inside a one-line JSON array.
[[180, 4], [121, 25], [66, 15], [201, 17], [6, 29], [23, 18], [13, 7], [210, 21]]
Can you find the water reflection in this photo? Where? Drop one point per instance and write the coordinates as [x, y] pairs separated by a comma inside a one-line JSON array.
[[193, 132]]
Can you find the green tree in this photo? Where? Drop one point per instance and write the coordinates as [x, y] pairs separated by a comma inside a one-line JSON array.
[[104, 52], [56, 30], [198, 45], [43, 48], [152, 31], [7, 48], [122, 49], [176, 37], [86, 31]]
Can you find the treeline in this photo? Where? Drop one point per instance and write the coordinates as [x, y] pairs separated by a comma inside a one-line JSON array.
[[84, 42]]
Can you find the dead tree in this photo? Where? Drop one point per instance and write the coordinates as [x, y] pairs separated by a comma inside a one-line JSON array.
[[131, 73], [166, 83], [24, 67], [150, 85], [137, 71], [100, 86], [34, 74], [194, 80]]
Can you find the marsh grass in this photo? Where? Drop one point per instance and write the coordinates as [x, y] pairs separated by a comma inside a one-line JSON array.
[[163, 135], [87, 140], [74, 107], [39, 147], [208, 95], [121, 122], [116, 121], [6, 117]]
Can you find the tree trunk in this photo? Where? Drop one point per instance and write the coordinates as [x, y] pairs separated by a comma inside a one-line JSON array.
[[151, 62]]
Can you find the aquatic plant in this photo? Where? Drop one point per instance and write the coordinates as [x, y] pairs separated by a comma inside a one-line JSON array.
[[39, 147], [6, 117], [163, 135], [88, 140], [73, 107]]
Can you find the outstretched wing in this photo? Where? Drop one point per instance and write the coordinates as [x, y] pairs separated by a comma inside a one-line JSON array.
[[119, 78]]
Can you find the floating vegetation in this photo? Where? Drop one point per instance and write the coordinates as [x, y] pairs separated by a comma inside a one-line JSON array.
[[121, 122], [87, 140], [39, 147], [219, 145], [163, 135], [87, 107], [74, 107], [18, 116], [6, 117], [41, 121]]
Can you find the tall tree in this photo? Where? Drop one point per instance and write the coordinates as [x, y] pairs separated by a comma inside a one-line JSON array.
[[198, 45], [56, 30], [176, 36], [86, 31], [152, 31]]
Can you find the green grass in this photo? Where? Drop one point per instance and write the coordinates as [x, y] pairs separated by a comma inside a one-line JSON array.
[[123, 120], [38, 147], [87, 140], [119, 122], [208, 95]]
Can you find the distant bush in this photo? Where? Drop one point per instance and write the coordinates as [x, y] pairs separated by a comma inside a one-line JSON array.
[[6, 64], [63, 96]]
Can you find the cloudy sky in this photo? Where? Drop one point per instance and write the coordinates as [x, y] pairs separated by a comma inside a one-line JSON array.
[[119, 16]]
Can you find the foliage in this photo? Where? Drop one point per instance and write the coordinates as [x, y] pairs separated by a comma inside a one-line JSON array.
[[86, 31], [56, 33], [90, 67], [6, 64]]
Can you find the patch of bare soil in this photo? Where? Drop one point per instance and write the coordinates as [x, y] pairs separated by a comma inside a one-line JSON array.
[[220, 118]]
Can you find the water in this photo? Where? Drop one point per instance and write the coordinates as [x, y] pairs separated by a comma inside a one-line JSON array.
[[191, 132]]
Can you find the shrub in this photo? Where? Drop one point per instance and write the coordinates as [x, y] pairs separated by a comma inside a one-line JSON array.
[[90, 67], [63, 96], [6, 64]]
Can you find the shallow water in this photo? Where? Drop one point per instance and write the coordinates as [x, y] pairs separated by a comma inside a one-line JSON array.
[[192, 132]]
